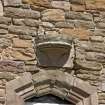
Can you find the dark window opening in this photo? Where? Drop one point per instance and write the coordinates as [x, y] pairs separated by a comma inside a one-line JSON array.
[[46, 100]]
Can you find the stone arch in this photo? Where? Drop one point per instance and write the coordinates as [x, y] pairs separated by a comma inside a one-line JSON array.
[[56, 83]]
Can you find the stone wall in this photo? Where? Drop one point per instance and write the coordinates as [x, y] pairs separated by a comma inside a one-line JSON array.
[[22, 21]]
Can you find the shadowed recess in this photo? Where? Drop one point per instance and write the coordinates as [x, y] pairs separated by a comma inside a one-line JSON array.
[[47, 99]]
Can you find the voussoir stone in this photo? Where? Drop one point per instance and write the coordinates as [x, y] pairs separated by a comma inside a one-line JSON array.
[[21, 13], [53, 15]]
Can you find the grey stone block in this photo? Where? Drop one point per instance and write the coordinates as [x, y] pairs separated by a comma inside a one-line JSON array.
[[21, 30], [21, 13], [79, 15]]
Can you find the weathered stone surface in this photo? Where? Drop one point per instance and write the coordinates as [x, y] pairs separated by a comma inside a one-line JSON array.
[[47, 25], [93, 46], [19, 54], [84, 24], [96, 38], [3, 26], [12, 3], [44, 3], [76, 33], [99, 32], [4, 43], [100, 25], [2, 92], [97, 47], [90, 5], [77, 1], [90, 65], [61, 5], [31, 22], [94, 56], [31, 68], [1, 8], [9, 76], [67, 24], [51, 33], [11, 66], [21, 13], [19, 43], [78, 8], [5, 20], [27, 22], [53, 15], [21, 30], [37, 8], [87, 77], [79, 15], [3, 31]]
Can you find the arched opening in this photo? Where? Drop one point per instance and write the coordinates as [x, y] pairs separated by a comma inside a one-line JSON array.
[[47, 100], [57, 83]]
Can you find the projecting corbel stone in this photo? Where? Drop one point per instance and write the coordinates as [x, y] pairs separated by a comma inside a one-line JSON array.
[[55, 52]]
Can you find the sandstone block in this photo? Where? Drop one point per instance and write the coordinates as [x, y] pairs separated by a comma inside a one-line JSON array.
[[53, 15], [26, 22], [67, 24], [21, 30], [11, 66], [12, 2], [3, 26], [76, 33], [4, 43], [21, 13], [79, 15], [90, 65], [19, 54], [84, 24], [100, 25], [3, 31], [78, 8], [61, 5], [19, 43], [47, 25], [5, 20], [96, 38], [8, 76], [2, 92], [43, 3], [94, 56]]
